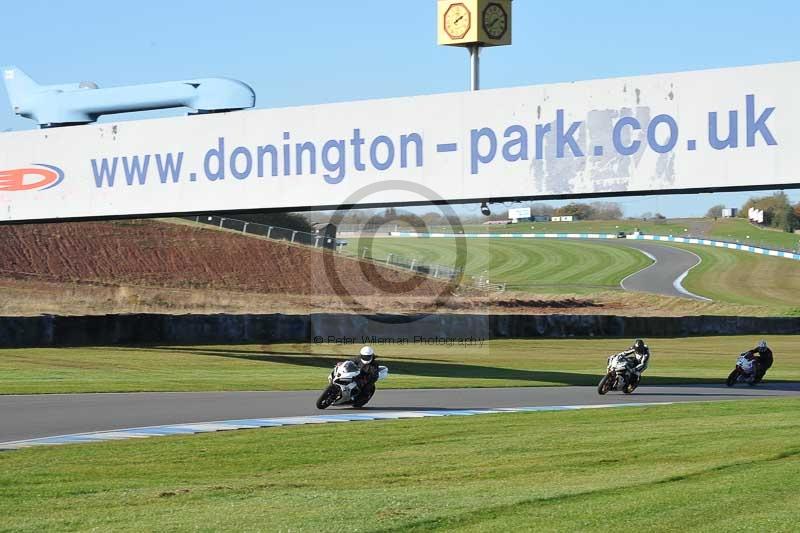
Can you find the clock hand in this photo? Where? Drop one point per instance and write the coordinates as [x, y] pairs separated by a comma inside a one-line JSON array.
[[458, 19], [495, 21]]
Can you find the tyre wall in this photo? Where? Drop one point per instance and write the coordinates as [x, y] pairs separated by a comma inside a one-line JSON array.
[[106, 330]]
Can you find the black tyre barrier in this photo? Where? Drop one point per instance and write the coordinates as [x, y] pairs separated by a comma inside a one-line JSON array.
[[148, 329]]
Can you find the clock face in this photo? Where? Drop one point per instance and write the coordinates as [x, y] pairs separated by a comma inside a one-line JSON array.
[[457, 21], [495, 21]]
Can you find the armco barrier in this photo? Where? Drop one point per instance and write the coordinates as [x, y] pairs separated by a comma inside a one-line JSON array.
[[108, 330], [662, 238]]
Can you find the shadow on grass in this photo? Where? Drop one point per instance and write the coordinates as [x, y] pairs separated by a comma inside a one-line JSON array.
[[404, 367]]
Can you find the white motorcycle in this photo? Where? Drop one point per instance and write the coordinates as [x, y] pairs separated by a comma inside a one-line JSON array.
[[744, 372], [342, 388], [620, 375]]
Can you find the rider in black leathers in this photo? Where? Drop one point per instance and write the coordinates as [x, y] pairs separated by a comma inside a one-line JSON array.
[[763, 359], [642, 354]]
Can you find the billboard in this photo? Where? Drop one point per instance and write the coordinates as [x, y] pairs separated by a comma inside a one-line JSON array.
[[517, 213], [708, 130]]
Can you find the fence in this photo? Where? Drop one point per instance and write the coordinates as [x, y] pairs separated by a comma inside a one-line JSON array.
[[480, 283], [413, 264], [270, 232]]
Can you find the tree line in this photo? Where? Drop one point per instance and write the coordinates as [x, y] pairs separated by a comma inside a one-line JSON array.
[[778, 213]]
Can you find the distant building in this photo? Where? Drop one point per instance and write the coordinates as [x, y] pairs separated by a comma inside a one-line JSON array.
[[564, 218], [327, 233], [729, 212], [755, 215], [540, 218]]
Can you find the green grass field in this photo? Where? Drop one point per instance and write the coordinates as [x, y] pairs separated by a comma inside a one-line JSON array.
[[727, 466], [743, 278], [663, 227], [534, 265], [499, 363], [553, 267], [725, 229], [740, 230]]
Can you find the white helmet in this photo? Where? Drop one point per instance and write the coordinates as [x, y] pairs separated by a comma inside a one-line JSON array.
[[367, 354], [762, 345]]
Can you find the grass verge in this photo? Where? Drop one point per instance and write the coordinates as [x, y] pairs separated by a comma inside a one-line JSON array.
[[531, 265], [743, 278], [496, 363], [714, 467]]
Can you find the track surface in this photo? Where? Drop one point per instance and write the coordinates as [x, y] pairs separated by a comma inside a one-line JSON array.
[[33, 416], [663, 276]]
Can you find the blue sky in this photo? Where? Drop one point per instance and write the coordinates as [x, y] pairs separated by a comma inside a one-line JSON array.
[[317, 51]]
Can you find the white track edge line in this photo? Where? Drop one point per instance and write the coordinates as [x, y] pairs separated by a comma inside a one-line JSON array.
[[487, 410]]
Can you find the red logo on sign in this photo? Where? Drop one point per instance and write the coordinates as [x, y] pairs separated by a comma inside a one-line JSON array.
[[37, 178]]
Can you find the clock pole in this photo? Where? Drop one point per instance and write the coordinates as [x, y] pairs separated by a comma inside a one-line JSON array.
[[475, 66], [474, 24]]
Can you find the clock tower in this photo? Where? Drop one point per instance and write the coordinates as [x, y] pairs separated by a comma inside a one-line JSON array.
[[474, 22]]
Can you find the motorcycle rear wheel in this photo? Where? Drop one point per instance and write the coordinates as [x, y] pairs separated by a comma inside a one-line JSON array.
[[732, 377], [327, 397], [604, 386]]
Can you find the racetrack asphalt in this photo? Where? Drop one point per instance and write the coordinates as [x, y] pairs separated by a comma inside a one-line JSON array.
[[664, 276], [34, 416]]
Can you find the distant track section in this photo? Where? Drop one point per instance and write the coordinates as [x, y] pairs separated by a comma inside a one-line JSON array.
[[664, 276]]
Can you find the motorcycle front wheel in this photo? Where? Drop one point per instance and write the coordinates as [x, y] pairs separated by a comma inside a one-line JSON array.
[[732, 377], [605, 385], [327, 397]]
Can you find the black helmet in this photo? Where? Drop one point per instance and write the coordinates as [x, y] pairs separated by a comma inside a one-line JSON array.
[[639, 346]]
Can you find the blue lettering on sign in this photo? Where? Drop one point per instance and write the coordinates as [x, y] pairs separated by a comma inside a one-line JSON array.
[[620, 128], [732, 140], [672, 137], [243, 154], [566, 138], [337, 165], [485, 156], [373, 152], [516, 147], [379, 152], [758, 125]]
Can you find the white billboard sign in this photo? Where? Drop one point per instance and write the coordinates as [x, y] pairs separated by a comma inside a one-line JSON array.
[[517, 213], [717, 129]]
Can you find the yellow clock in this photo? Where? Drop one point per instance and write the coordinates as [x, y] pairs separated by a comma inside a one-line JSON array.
[[457, 21], [494, 21], [474, 22]]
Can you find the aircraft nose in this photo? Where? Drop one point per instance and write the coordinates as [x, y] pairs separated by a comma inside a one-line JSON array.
[[220, 94]]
